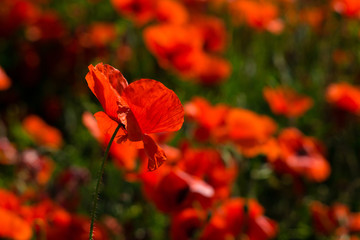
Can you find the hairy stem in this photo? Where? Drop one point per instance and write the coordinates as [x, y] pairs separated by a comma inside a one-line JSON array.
[[101, 172]]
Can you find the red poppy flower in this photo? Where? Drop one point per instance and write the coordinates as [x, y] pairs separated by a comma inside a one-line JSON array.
[[248, 129], [172, 46], [301, 156], [142, 107], [41, 132], [344, 96], [286, 101], [260, 15]]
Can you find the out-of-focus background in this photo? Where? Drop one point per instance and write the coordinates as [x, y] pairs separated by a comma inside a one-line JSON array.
[[270, 144]]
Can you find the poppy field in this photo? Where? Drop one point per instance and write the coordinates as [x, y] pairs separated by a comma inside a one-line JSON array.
[[180, 119]]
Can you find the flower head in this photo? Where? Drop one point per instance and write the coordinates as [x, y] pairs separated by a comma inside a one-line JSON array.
[[142, 107], [286, 101]]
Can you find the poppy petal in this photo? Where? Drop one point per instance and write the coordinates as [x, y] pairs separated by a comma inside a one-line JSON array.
[[155, 107], [106, 82], [107, 126], [116, 79], [154, 152]]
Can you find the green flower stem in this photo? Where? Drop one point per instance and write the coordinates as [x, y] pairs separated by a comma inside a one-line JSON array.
[[101, 172]]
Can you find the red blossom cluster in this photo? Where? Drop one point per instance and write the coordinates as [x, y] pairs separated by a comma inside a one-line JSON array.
[[252, 134], [196, 57], [44, 219], [192, 177]]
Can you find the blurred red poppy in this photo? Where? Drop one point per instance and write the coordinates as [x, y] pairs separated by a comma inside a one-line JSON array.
[[301, 156], [261, 15], [286, 101], [172, 46], [142, 107], [186, 56], [344, 96], [42, 133], [248, 129]]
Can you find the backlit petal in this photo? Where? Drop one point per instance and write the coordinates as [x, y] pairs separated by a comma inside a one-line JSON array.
[[155, 107], [154, 152], [106, 90]]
